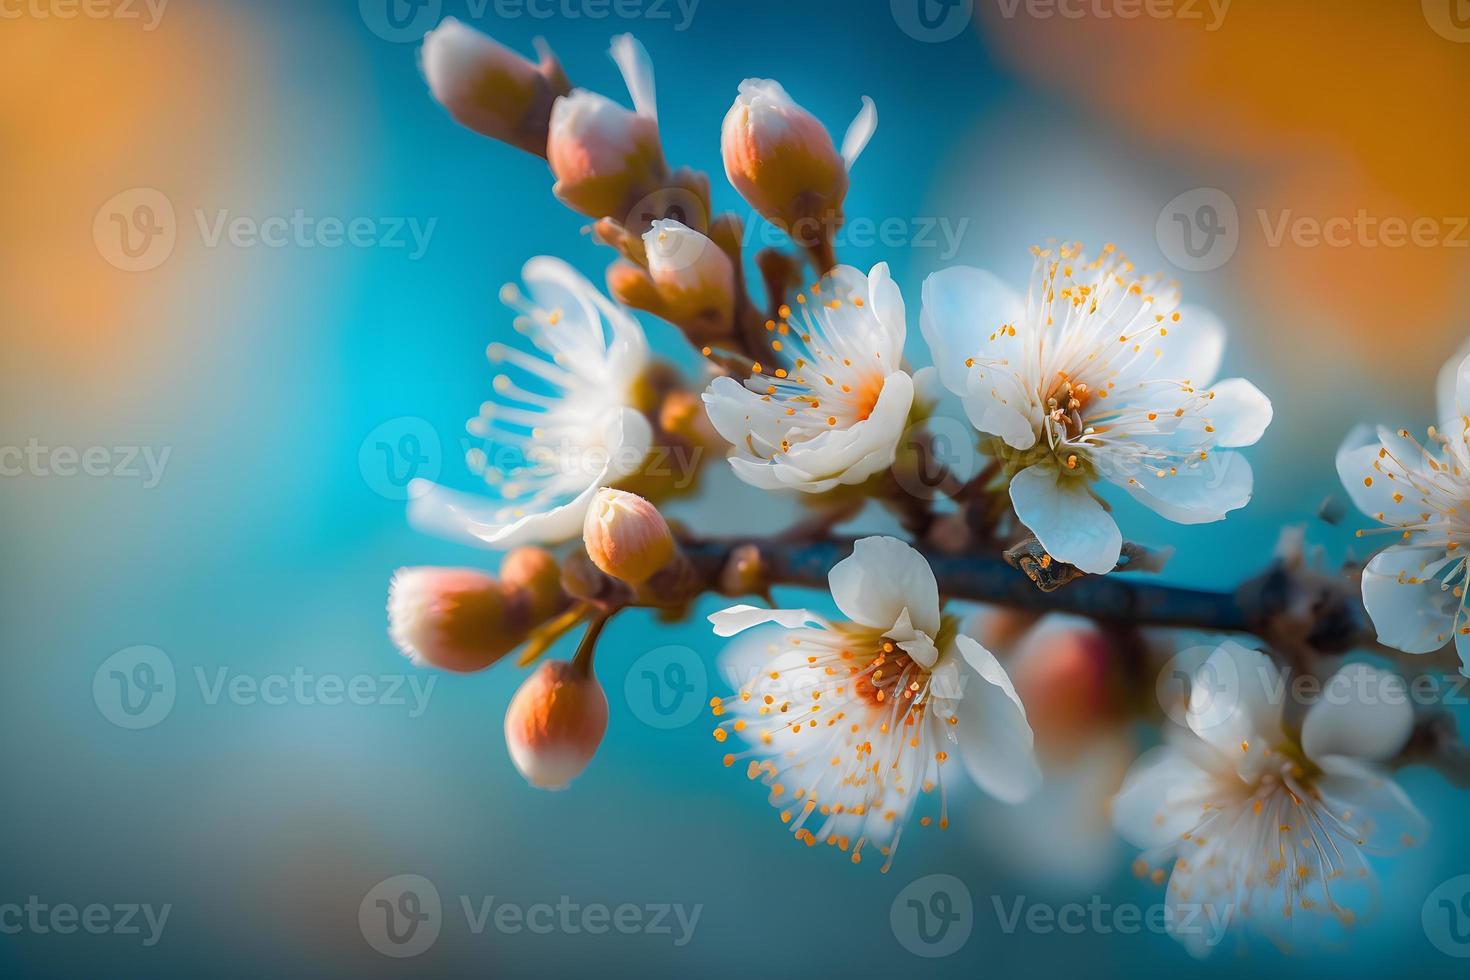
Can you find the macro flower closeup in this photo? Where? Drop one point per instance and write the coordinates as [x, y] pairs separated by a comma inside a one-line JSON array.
[[848, 722], [1096, 373], [1420, 492], [1257, 826], [833, 411], [561, 423]]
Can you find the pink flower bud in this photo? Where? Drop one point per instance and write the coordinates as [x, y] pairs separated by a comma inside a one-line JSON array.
[[1063, 672], [605, 157], [489, 88], [555, 723], [626, 536], [784, 163], [694, 276], [535, 574], [455, 619]]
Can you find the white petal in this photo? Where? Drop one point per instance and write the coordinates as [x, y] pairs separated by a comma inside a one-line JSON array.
[[885, 300], [637, 69], [1200, 493], [728, 622], [1410, 614], [962, 307], [1070, 524], [1159, 799], [1453, 389], [1235, 703], [995, 740], [880, 579], [863, 125], [1370, 488], [1239, 412], [1371, 804], [1364, 713]]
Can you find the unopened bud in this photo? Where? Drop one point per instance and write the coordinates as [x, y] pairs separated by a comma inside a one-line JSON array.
[[1063, 672], [555, 723], [695, 278], [783, 162], [535, 574], [626, 536], [455, 619], [744, 572], [489, 88]]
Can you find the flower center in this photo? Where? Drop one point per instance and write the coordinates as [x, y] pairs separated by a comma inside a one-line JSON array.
[[865, 396], [891, 675]]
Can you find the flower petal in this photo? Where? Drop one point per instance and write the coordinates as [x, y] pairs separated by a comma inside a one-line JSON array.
[[880, 579], [1235, 703], [1200, 493], [1364, 713], [1239, 412], [1159, 799], [1411, 613], [995, 740], [962, 307], [1070, 524], [1371, 490], [1193, 349], [863, 125], [735, 619]]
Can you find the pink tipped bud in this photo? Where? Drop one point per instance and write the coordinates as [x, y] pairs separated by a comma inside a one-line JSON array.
[[555, 723], [455, 619], [783, 162], [626, 536], [694, 276], [1063, 672], [605, 158], [489, 88]]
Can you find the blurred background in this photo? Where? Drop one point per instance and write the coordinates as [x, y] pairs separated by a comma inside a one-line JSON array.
[[196, 423]]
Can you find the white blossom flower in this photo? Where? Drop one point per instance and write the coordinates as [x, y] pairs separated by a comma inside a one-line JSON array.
[[835, 412], [1415, 589], [848, 721], [1096, 373], [1266, 829], [563, 427]]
